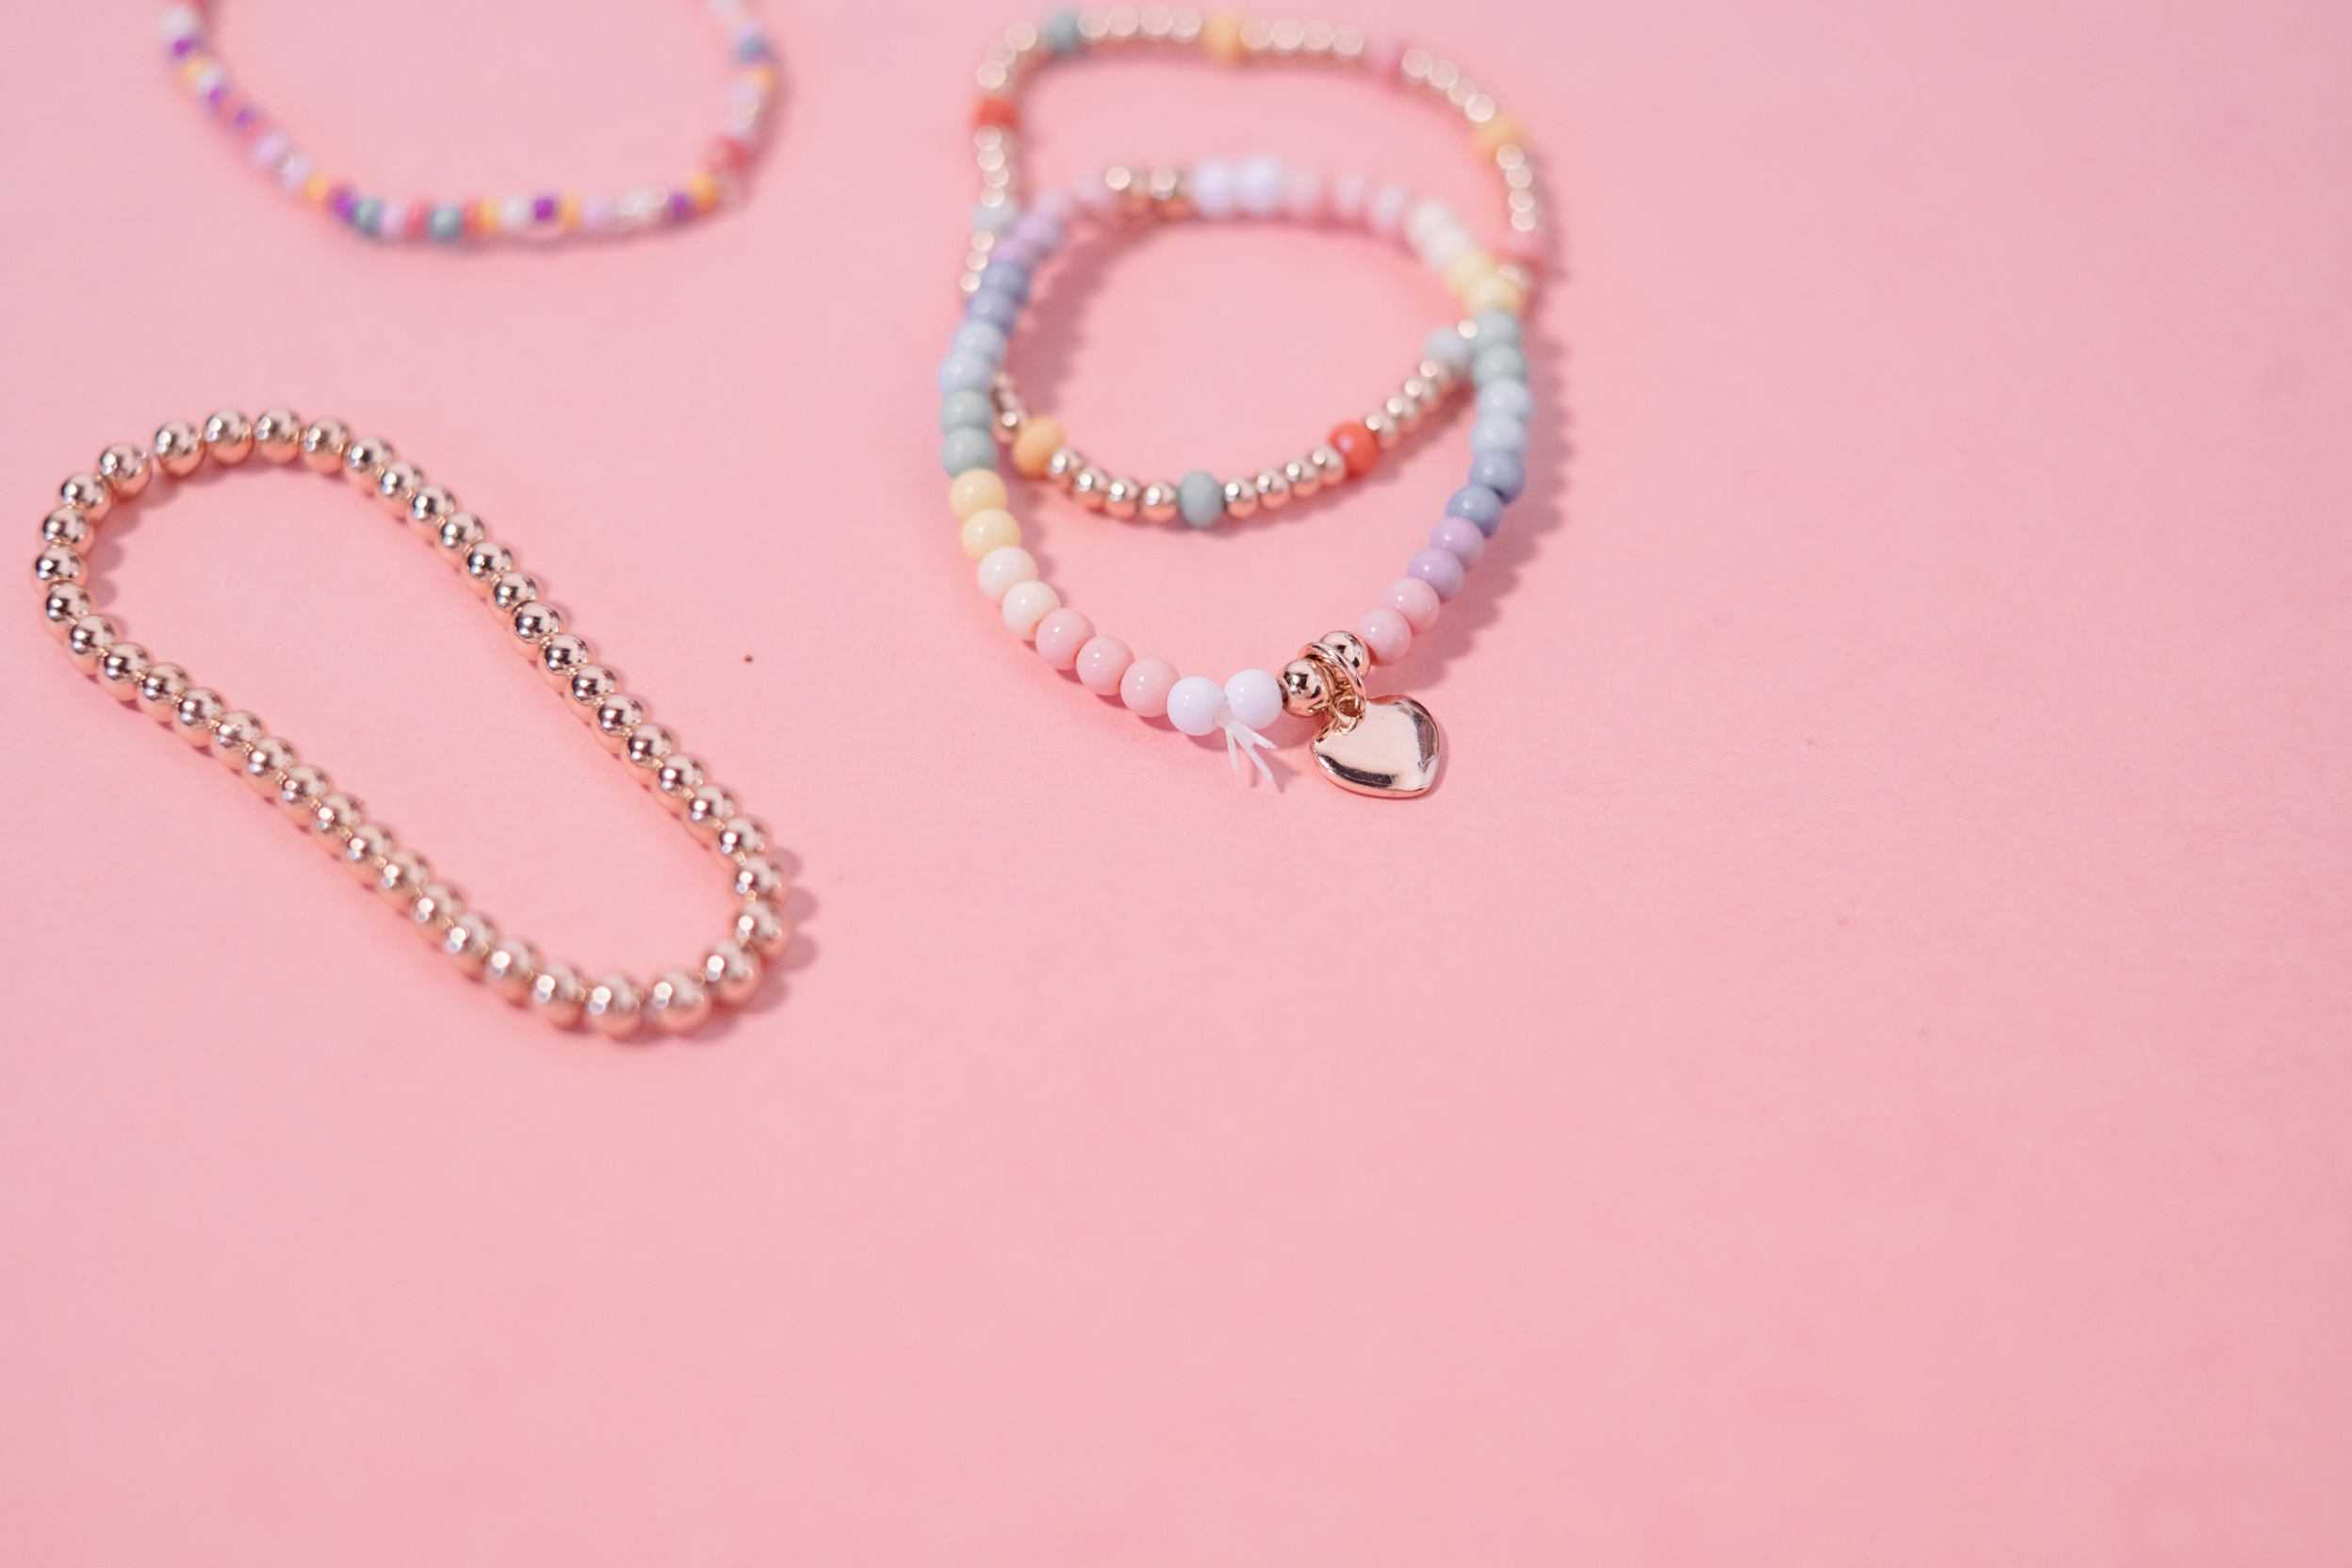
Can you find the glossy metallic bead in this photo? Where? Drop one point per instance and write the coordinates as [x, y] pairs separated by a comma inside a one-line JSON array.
[[730, 971], [617, 719], [466, 941], [299, 789], [228, 438], [1170, 190], [89, 494], [278, 434], [1329, 467], [677, 779], [588, 686], [62, 604], [432, 909], [1306, 691], [711, 809], [758, 878], [1241, 498], [740, 838], [159, 690], [403, 877], [88, 640], [121, 669], [1123, 497], [1349, 651], [1065, 465], [1159, 501], [58, 564], [1300, 475], [610, 1007], [1439, 375], [177, 450], [335, 814], [562, 653], [1273, 488], [363, 849], [458, 534], [397, 484], [1383, 423], [126, 469], [69, 526], [323, 441], [363, 457], [761, 927], [1424, 395], [1089, 488], [510, 967], [429, 508], [237, 733], [646, 746], [533, 624], [556, 994], [265, 760], [192, 717], [512, 589], [676, 1002], [485, 563]]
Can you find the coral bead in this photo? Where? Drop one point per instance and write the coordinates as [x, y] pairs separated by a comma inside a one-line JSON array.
[[1102, 663], [1145, 687], [1386, 633], [978, 490], [1061, 635], [984, 531], [997, 111], [1034, 447], [1355, 442]]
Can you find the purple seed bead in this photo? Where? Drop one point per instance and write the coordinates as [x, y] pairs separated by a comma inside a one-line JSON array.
[[544, 209], [1479, 504], [1013, 251], [1459, 537], [681, 206], [1040, 232], [184, 45], [1440, 569], [1501, 472]]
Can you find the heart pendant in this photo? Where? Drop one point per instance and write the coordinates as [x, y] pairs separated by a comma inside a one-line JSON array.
[[1393, 748]]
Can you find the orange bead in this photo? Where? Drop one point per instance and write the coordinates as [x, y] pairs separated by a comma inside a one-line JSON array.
[[997, 111], [1358, 445]]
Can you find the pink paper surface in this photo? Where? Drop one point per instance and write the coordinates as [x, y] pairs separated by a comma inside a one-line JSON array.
[[1850, 1068]]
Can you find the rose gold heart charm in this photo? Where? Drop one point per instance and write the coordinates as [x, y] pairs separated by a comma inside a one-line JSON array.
[[1373, 745]]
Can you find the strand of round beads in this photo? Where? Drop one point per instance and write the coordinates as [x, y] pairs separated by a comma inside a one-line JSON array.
[[537, 216], [676, 1000]]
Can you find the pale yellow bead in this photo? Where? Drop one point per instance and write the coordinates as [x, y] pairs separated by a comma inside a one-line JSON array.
[[975, 490], [1501, 131], [1034, 447], [1220, 35], [989, 531], [1495, 292], [1466, 267]]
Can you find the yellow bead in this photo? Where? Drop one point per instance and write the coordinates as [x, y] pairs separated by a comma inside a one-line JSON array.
[[567, 214], [314, 189], [1220, 35], [975, 490], [486, 215], [1466, 267], [703, 187], [988, 531], [1494, 292], [1034, 447], [1501, 131]]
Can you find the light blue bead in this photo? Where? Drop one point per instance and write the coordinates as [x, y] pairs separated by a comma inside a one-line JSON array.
[[1501, 472], [1498, 433], [1006, 277], [1479, 504], [1510, 398], [1447, 347], [1499, 364], [447, 223], [963, 373], [1497, 329], [983, 338], [1061, 32], [994, 216], [966, 449], [967, 411], [1200, 498], [1000, 311]]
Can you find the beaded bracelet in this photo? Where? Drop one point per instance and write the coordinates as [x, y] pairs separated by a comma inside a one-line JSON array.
[[541, 216], [678, 999]]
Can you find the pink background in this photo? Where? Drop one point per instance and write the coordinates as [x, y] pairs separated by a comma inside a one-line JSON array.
[[1851, 1067]]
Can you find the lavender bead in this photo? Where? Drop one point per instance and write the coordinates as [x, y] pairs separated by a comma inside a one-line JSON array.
[[965, 448], [1011, 249], [1215, 188], [1440, 569], [1000, 276], [1460, 538], [1481, 505], [1501, 472], [979, 337], [1000, 311], [1498, 433], [1491, 364], [1262, 182], [1040, 231], [967, 411], [1511, 399], [965, 372]]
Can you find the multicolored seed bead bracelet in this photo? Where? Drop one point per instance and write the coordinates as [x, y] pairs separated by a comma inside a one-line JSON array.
[[536, 216], [678, 999]]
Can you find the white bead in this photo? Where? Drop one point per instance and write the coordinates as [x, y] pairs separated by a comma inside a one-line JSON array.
[[1302, 196], [1426, 218], [1261, 181], [1027, 604], [515, 215], [1350, 194], [1213, 188], [1255, 697], [1387, 210], [1195, 704], [1004, 567], [1443, 245]]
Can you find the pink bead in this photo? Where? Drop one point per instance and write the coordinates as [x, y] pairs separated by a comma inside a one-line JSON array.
[[1383, 56], [1302, 196], [1415, 600], [1350, 194], [1460, 537], [1095, 196], [1145, 687], [1385, 213], [1101, 664], [1060, 636], [1385, 633]]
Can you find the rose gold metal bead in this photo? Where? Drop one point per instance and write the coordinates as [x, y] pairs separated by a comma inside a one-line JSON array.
[[533, 624], [512, 589], [677, 1001], [397, 484], [647, 746], [68, 526], [730, 972], [120, 668], [1241, 498], [1349, 651], [58, 563], [363, 457], [194, 714], [363, 851], [278, 434], [265, 760], [237, 733], [588, 686], [485, 563], [432, 909], [228, 438], [562, 654], [1329, 467], [738, 838], [1388, 422], [126, 469], [177, 450], [323, 441], [677, 779], [466, 941], [1065, 466], [510, 967], [711, 809], [557, 994], [760, 927], [429, 508], [299, 789], [62, 604], [333, 815], [1087, 489], [617, 719], [1301, 476], [92, 497], [1122, 497], [1273, 488], [88, 640], [1159, 502], [1306, 691], [756, 878], [403, 876], [611, 1005], [159, 690]]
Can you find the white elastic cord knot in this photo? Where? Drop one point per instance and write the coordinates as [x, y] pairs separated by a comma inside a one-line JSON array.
[[1241, 740]]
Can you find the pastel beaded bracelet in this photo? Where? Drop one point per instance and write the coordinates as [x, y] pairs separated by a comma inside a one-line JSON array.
[[536, 216], [678, 999]]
